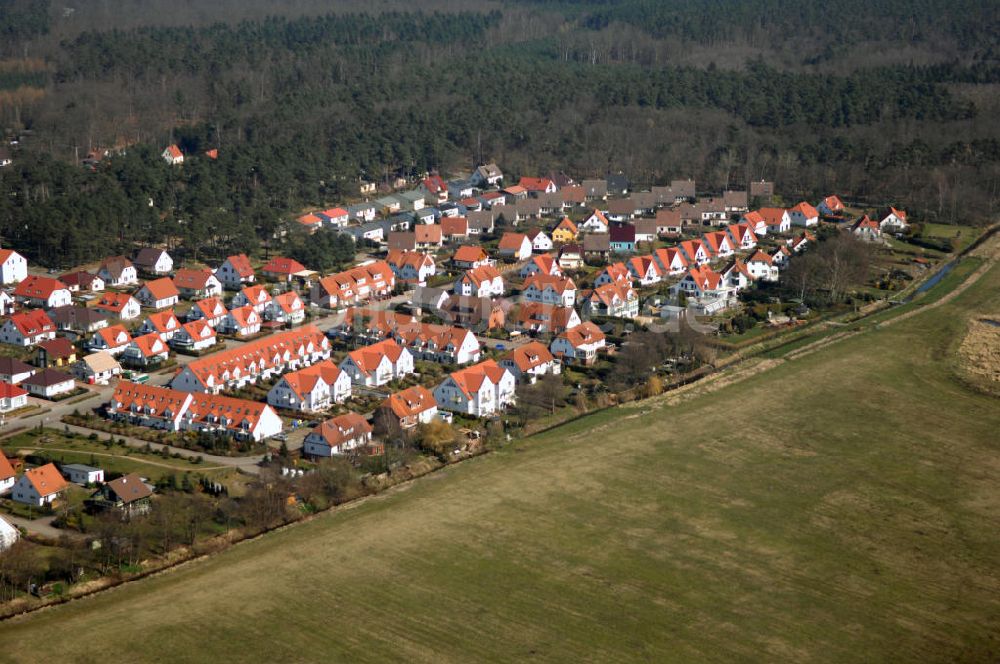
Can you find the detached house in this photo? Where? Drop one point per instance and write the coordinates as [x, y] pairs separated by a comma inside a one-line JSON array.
[[286, 308], [481, 390], [158, 294], [149, 349], [867, 229], [39, 486], [540, 242], [283, 270], [670, 260], [197, 284], [13, 267], [804, 215], [742, 237], [243, 322], [831, 206], [762, 267], [411, 407], [435, 188], [719, 244], [893, 220], [616, 273], [118, 271], [644, 270], [595, 223], [338, 435], [154, 261], [235, 272], [535, 317], [622, 238], [12, 398], [119, 305], [97, 368], [255, 296], [777, 220], [49, 383], [488, 175], [195, 335], [613, 300], [514, 247], [211, 310], [550, 290], [469, 256], [82, 281], [378, 363], [163, 323], [542, 264], [27, 328], [579, 344], [14, 371], [570, 257], [566, 231], [173, 155], [411, 267], [530, 361], [483, 281], [312, 389], [114, 339], [46, 292]]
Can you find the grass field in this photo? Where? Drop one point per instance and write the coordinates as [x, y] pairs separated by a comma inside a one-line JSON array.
[[839, 507]]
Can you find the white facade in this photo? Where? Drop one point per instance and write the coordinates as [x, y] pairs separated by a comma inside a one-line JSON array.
[[14, 268], [488, 399]]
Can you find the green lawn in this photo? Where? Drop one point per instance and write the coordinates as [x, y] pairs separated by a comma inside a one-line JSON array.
[[840, 507]]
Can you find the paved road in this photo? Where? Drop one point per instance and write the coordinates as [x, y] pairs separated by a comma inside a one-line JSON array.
[[42, 526]]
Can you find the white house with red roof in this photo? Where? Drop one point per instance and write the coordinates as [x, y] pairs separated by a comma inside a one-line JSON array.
[[579, 344], [12, 397], [701, 281], [7, 475], [538, 185], [544, 264], [242, 321], [644, 270], [286, 307], [411, 407], [13, 267], [804, 215], [119, 305], [173, 155], [540, 242], [831, 206], [718, 244], [761, 266], [411, 267], [358, 284], [36, 291], [694, 252], [550, 290], [741, 236], [197, 284], [469, 256], [113, 339], [530, 361], [378, 363], [146, 350], [867, 229], [436, 189], [514, 246], [211, 310], [236, 272], [597, 222], [482, 281], [616, 273], [481, 390], [312, 389], [283, 269], [39, 486], [545, 318], [613, 300], [777, 220], [755, 220], [780, 256], [158, 294], [338, 435], [893, 220], [195, 335], [164, 323], [670, 260], [335, 217], [27, 328], [255, 296], [6, 303]]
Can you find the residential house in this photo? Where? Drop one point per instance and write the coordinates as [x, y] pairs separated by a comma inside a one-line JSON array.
[[427, 236], [78, 473], [411, 267], [255, 296], [211, 310], [13, 267], [595, 223], [646, 230], [597, 245], [780, 256], [27, 328], [595, 190], [565, 231], [12, 398], [469, 256], [514, 247], [158, 294], [735, 202], [831, 206], [242, 321], [644, 270], [284, 270], [39, 486], [8, 533], [435, 188], [684, 189], [800, 242], [80, 320], [616, 273], [762, 189], [537, 185], [49, 383], [892, 220], [334, 217], [539, 240], [195, 335], [482, 281], [530, 361], [128, 494], [13, 371], [173, 155], [694, 252], [286, 308], [438, 343], [146, 350], [867, 229], [119, 305], [718, 244], [535, 317], [412, 200], [487, 175], [570, 257], [163, 323], [82, 281], [411, 407], [756, 222], [454, 229], [58, 352], [669, 223], [197, 284], [737, 275], [670, 260], [113, 339], [338, 435], [617, 184], [741, 237], [45, 292], [353, 286], [378, 363], [235, 272], [481, 390], [402, 241], [481, 223], [777, 220], [311, 389], [621, 209], [97, 368], [762, 267], [540, 264], [549, 289], [472, 311], [118, 271], [363, 212], [613, 300], [622, 238], [310, 222], [804, 215], [579, 344], [154, 261]]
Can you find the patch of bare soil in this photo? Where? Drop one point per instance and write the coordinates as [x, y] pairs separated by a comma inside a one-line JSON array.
[[979, 353]]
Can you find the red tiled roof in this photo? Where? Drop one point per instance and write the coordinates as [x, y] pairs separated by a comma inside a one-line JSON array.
[[283, 266], [46, 479], [162, 289]]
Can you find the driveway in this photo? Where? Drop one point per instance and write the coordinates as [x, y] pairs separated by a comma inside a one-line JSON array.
[[41, 526]]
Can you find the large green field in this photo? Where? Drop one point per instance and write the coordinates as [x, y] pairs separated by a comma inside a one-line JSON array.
[[842, 506]]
